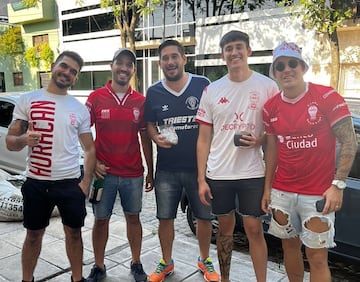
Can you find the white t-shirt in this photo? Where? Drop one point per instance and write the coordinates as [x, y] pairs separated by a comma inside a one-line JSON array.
[[229, 107], [60, 119]]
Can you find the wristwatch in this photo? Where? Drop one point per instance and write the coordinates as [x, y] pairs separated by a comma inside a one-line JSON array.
[[340, 184]]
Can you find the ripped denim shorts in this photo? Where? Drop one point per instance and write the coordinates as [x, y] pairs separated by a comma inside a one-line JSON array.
[[300, 209]]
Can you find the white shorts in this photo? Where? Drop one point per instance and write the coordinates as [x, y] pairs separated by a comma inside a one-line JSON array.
[[300, 209]]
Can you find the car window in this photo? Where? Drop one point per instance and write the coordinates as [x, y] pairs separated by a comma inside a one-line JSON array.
[[6, 111]]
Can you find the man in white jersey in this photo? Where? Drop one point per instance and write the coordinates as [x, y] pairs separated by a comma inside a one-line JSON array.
[[51, 123], [230, 167], [302, 123]]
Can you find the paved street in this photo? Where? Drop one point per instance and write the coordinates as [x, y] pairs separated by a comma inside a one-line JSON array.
[[53, 264]]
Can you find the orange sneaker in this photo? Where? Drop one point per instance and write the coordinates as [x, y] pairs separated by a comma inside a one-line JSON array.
[[207, 268], [162, 270]]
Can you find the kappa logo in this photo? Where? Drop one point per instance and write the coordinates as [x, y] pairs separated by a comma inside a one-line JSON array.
[[223, 100]]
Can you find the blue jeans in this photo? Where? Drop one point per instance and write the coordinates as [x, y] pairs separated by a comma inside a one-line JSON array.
[[168, 189], [130, 191]]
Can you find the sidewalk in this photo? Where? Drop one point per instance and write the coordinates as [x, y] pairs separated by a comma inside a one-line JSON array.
[[54, 266]]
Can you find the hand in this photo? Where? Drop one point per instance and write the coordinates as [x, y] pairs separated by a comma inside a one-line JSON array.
[[334, 199], [249, 140], [161, 141], [149, 183], [265, 202], [85, 188], [100, 169], [32, 136], [205, 193]]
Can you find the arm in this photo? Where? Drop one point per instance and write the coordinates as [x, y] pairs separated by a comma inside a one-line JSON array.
[[148, 154], [344, 131], [202, 152], [87, 143], [21, 134], [270, 168]]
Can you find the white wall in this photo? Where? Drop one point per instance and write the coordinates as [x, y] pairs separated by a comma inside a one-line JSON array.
[[266, 29]]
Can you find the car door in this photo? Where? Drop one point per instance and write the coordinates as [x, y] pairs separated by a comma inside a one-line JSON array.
[[14, 162]]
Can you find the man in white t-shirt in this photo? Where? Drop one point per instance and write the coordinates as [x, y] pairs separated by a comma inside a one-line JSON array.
[[51, 123], [230, 167]]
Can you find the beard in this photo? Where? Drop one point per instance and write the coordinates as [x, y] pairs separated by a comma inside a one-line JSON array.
[[122, 82], [175, 77], [60, 84]]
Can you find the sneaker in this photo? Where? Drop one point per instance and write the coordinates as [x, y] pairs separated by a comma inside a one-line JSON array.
[[96, 274], [163, 270], [138, 272], [207, 268]]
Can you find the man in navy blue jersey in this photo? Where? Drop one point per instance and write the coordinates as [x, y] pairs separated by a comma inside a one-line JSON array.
[[170, 110]]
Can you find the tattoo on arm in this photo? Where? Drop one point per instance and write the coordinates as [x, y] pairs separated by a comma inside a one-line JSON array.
[[345, 134], [24, 126], [18, 127]]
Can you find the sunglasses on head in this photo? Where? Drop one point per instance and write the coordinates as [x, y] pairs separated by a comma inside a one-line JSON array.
[[280, 66]]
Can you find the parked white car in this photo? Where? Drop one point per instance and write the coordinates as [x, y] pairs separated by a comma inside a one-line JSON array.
[[13, 162]]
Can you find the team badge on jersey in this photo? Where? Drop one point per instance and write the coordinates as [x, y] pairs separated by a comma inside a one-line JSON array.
[[192, 103], [253, 100], [136, 114], [313, 114]]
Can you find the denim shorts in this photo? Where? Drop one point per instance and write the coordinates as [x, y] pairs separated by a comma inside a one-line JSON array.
[[300, 209], [242, 195], [41, 196], [169, 186], [130, 191]]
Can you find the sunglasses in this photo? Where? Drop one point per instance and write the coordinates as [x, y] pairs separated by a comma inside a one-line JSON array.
[[291, 63]]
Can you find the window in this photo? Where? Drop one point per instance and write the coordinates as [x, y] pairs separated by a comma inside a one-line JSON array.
[[88, 24], [6, 111], [91, 80], [38, 40], [18, 78]]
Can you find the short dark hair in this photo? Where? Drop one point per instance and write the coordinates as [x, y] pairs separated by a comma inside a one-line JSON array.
[[73, 55], [234, 35], [171, 42]]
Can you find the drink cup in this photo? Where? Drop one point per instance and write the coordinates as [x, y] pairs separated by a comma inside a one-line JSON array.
[[238, 136], [168, 131]]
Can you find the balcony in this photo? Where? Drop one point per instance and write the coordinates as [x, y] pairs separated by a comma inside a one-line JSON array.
[[41, 12]]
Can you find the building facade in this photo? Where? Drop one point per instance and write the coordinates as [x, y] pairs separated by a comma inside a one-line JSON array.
[[39, 27], [91, 31]]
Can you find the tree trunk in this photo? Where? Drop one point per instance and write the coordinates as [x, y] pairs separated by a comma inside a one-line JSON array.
[[335, 65]]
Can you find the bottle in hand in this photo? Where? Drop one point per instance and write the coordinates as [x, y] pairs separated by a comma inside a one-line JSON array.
[[96, 190]]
